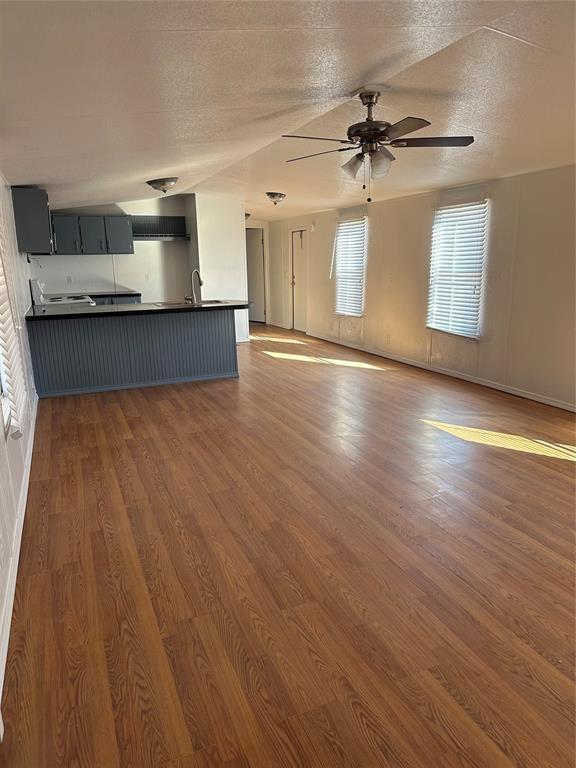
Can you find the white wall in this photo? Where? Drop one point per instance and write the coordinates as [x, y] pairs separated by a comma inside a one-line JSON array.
[[15, 452], [528, 340], [222, 252], [159, 270]]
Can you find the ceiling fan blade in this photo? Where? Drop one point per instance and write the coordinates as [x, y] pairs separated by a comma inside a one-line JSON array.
[[402, 127], [328, 152], [435, 141], [316, 138]]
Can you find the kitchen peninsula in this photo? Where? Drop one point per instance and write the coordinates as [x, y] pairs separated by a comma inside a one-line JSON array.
[[81, 348]]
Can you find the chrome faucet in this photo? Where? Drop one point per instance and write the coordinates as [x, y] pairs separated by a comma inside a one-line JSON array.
[[193, 298]]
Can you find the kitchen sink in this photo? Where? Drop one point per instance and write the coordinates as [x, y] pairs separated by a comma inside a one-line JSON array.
[[187, 303]]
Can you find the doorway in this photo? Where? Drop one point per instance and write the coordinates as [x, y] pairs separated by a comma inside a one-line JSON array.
[[299, 280], [256, 275]]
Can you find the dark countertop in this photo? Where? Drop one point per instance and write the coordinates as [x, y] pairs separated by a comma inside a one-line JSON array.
[[127, 292], [97, 294], [47, 312]]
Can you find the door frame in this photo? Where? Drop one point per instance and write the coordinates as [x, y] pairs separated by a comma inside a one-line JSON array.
[[264, 274], [304, 239], [263, 225]]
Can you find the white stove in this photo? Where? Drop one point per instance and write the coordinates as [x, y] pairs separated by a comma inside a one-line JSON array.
[[74, 299], [39, 297]]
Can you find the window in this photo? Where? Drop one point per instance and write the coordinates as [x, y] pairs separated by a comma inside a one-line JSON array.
[[12, 387], [349, 263], [5, 409], [459, 241]]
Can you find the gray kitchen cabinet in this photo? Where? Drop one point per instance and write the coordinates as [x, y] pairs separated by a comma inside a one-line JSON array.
[[125, 300], [93, 234], [66, 234], [32, 218], [119, 234]]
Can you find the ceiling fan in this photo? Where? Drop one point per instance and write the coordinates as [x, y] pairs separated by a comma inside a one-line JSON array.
[[372, 137]]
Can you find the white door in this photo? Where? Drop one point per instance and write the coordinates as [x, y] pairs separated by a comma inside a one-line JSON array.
[[299, 280], [255, 268]]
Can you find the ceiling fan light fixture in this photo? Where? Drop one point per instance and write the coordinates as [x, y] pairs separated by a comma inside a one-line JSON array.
[[163, 185], [275, 197], [352, 167], [379, 164]]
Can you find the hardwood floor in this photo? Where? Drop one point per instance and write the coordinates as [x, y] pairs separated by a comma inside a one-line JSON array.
[[296, 568]]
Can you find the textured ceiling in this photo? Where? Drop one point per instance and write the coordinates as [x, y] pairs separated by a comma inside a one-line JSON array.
[[97, 97]]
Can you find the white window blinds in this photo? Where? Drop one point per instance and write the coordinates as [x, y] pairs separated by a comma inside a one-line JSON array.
[[459, 243], [350, 266], [13, 391]]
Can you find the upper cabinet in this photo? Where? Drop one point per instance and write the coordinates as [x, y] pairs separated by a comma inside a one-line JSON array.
[[92, 234], [66, 234], [119, 234], [32, 218]]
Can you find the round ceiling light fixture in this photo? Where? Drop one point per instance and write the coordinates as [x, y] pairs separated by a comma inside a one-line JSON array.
[[163, 185], [275, 197]]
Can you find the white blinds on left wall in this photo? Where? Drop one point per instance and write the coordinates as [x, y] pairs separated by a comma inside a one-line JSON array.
[[13, 386]]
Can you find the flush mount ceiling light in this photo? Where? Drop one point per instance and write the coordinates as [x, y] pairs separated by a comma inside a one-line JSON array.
[[275, 197], [163, 185]]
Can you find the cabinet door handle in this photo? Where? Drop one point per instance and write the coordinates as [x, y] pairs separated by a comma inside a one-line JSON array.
[[101, 244], [55, 242]]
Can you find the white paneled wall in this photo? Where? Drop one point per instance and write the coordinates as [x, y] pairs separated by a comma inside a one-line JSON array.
[[527, 344], [15, 449], [222, 252]]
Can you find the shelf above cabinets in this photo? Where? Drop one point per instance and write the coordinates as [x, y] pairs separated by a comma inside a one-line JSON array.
[[163, 228]]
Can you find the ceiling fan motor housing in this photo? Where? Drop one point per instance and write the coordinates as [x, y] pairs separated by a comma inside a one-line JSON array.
[[368, 130]]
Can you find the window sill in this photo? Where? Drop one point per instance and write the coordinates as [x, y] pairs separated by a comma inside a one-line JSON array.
[[453, 333]]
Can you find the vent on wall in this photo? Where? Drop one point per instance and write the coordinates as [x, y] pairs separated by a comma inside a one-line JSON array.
[[159, 228]]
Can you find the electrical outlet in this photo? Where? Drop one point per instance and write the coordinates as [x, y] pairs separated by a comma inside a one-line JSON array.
[[69, 279], [147, 277], [387, 338]]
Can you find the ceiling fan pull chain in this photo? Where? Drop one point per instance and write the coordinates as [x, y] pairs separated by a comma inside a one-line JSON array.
[[369, 198]]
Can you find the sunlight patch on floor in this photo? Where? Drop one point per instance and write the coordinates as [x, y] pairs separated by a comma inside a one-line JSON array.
[[510, 442], [279, 339], [325, 360]]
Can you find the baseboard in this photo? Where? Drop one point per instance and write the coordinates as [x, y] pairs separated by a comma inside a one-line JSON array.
[[139, 385], [456, 374], [6, 619]]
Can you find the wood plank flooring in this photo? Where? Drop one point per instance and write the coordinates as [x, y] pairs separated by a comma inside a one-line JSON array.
[[295, 569]]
